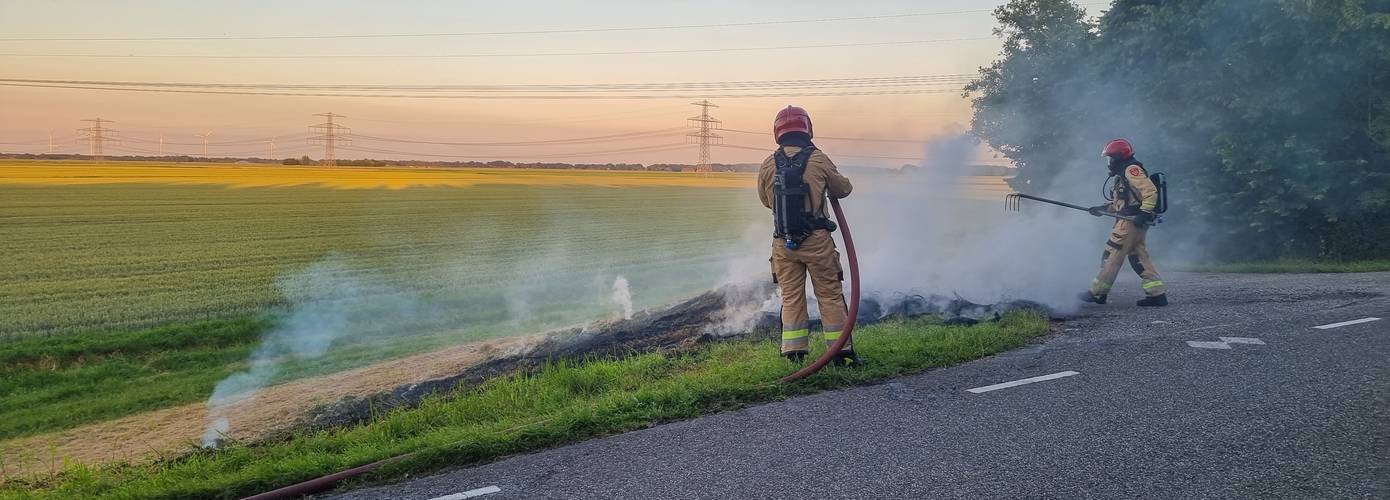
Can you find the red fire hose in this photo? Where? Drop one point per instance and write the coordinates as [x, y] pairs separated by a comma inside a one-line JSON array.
[[853, 301], [324, 483]]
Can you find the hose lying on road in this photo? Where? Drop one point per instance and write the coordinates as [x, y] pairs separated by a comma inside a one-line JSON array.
[[853, 301]]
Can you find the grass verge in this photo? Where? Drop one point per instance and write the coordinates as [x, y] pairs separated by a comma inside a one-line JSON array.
[[50, 384], [1290, 266], [55, 383], [565, 402]]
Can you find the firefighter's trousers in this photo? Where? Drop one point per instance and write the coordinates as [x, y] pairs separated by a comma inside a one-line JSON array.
[[1127, 243], [816, 256]]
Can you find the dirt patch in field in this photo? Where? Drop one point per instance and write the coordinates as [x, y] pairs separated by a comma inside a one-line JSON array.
[[170, 431]]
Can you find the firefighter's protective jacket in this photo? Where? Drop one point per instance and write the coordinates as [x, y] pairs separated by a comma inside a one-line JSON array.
[[1134, 192], [816, 256], [820, 177]]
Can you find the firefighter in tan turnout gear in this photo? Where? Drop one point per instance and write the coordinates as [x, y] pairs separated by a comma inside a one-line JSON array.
[[794, 182], [1134, 195]]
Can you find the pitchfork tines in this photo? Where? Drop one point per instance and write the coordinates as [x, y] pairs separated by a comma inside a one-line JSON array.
[[1012, 202]]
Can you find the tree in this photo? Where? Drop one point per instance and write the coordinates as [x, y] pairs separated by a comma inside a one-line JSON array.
[[1272, 118]]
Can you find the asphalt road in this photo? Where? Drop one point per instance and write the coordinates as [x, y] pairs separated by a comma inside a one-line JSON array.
[[1285, 410]]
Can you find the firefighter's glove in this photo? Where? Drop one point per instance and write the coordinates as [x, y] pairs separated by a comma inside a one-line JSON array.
[[1144, 218], [1097, 210]]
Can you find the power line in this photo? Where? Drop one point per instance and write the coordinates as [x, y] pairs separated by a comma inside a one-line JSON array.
[[144, 151], [642, 149], [27, 143], [239, 142], [752, 148], [492, 96], [912, 84], [574, 140], [833, 138], [514, 54], [660, 110], [851, 82], [499, 33]]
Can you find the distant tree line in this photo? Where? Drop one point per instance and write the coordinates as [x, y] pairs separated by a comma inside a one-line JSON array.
[[1271, 117]]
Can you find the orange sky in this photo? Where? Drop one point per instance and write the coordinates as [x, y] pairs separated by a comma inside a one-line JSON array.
[[27, 115]]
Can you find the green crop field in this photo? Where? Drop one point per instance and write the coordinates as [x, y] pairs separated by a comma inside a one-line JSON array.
[[136, 287], [91, 257]]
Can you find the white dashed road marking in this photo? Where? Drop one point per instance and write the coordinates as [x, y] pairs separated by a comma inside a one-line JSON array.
[[1345, 323], [1225, 342], [1025, 381], [470, 493]]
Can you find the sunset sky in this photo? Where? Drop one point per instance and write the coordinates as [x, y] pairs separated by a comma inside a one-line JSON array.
[[27, 115]]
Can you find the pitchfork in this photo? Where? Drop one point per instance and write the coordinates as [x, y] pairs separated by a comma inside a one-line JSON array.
[[1013, 200]]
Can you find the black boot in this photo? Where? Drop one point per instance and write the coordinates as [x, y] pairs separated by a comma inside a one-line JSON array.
[[1155, 301], [795, 356], [1087, 297], [846, 359]]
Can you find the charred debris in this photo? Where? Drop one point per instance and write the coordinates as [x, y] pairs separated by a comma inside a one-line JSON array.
[[725, 313]]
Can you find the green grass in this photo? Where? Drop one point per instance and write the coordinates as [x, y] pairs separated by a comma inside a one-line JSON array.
[[1290, 266], [564, 402], [56, 383]]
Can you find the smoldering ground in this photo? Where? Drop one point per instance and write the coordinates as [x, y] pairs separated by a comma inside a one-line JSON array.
[[330, 301], [538, 264]]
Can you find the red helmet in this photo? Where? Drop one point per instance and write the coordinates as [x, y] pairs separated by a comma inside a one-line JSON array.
[[1118, 149], [791, 119]]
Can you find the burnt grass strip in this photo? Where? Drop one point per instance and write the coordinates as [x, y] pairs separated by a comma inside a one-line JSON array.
[[572, 386], [731, 312]]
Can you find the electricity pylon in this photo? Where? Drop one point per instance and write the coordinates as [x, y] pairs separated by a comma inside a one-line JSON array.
[[96, 136], [330, 135], [704, 135]]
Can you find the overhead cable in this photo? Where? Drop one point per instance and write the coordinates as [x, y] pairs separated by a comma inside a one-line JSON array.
[[495, 33]]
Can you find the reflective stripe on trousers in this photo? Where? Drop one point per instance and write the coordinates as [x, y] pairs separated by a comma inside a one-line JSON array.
[[796, 340]]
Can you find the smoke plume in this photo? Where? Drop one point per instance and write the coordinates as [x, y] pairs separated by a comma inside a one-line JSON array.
[[622, 296], [941, 229], [329, 301]]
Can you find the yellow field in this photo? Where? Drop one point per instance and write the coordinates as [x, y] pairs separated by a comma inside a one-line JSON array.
[[267, 175]]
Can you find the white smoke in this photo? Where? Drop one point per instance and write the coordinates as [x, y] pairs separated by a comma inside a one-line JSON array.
[[217, 431], [746, 296], [622, 296], [942, 230], [329, 301]]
